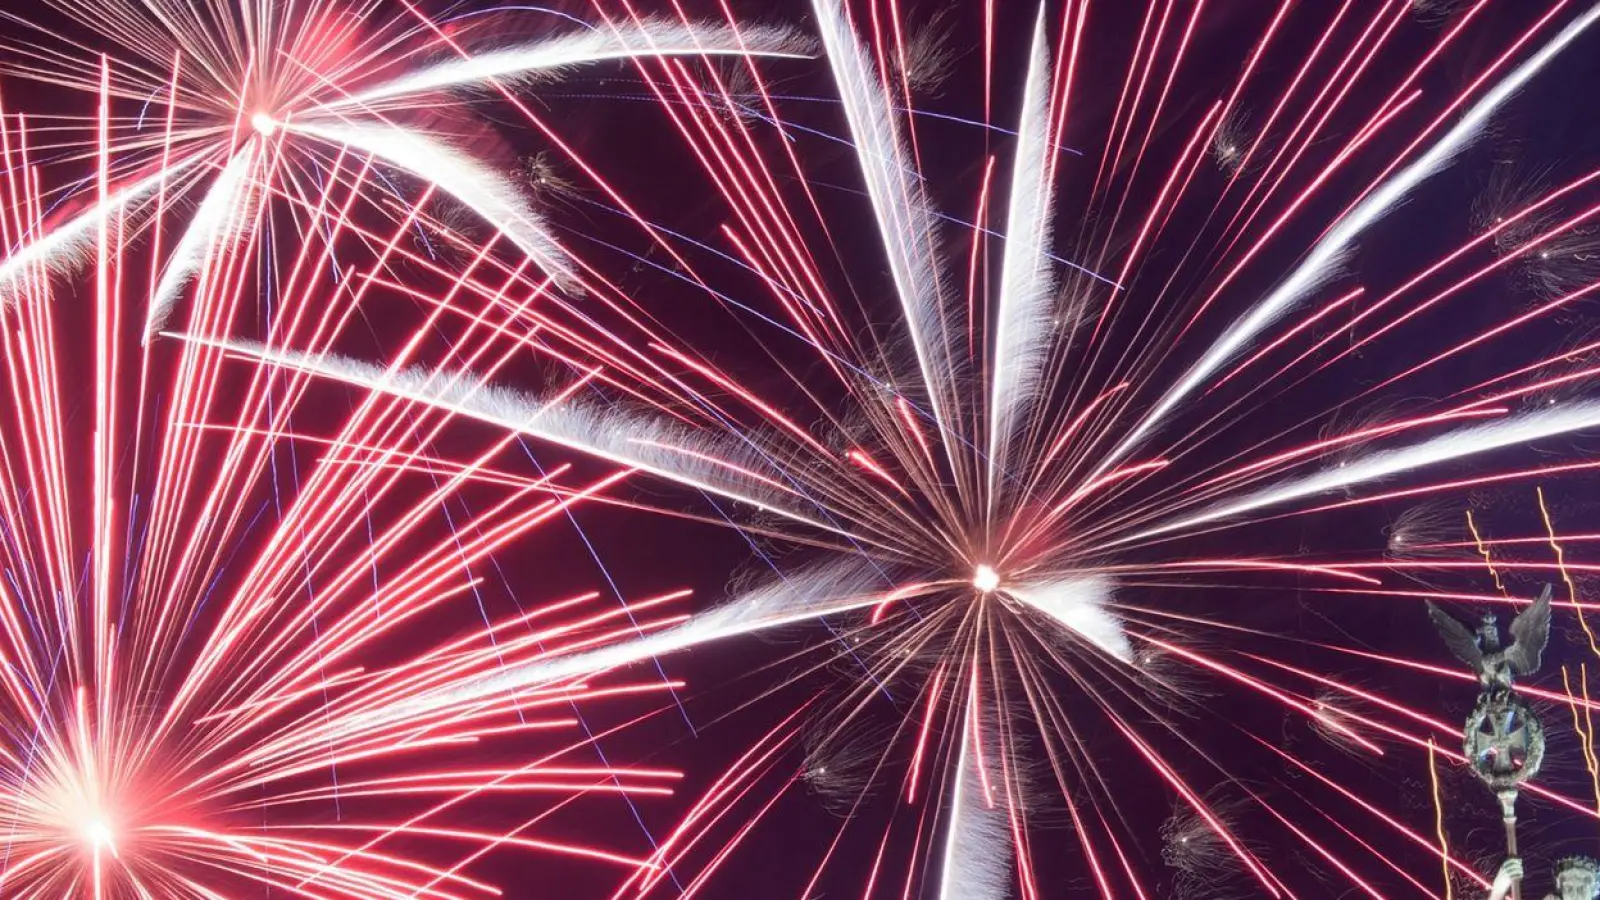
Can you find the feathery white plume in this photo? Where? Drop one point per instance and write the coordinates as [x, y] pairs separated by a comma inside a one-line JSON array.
[[648, 443], [481, 189], [1325, 257], [826, 589], [1453, 445], [1079, 605], [217, 219], [823, 590], [905, 222], [977, 849], [611, 42], [64, 245], [1022, 321]]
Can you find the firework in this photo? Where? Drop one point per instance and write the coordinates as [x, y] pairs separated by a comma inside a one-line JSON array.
[[1201, 864], [218, 591], [1014, 484], [260, 96]]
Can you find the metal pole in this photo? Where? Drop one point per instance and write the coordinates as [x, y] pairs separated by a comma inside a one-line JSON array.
[[1508, 815]]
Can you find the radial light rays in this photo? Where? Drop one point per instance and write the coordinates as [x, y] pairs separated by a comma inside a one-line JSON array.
[[1033, 557], [346, 99], [224, 599]]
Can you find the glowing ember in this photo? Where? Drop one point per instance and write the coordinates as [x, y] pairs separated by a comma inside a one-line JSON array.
[[986, 579], [98, 833], [264, 124]]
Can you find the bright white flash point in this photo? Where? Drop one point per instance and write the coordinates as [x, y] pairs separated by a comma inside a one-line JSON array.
[[985, 579], [99, 835], [264, 124]]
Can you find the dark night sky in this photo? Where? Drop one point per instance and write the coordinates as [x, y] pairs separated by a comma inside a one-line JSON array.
[[1551, 132]]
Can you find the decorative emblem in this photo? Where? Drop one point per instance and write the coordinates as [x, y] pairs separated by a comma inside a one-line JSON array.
[[1504, 741], [1498, 666]]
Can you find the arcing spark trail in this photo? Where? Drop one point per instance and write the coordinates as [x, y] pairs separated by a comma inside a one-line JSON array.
[[1014, 481], [269, 95], [218, 592]]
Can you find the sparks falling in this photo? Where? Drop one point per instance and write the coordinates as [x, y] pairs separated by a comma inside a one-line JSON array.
[[1022, 450], [218, 594], [261, 99]]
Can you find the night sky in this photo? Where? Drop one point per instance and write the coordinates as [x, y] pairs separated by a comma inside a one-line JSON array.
[[739, 690], [1547, 135]]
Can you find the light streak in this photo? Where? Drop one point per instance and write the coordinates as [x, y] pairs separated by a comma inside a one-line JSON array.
[[1009, 531], [975, 864], [1483, 551], [1584, 727], [1438, 820], [206, 640], [313, 76], [1561, 566], [1329, 252]]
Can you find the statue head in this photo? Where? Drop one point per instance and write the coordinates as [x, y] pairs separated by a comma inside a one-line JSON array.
[[1577, 878], [1489, 633]]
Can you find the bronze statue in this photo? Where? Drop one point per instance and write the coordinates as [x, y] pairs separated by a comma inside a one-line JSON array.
[[1498, 666], [1503, 740]]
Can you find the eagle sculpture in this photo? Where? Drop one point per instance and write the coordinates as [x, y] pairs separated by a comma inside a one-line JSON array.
[[1498, 666]]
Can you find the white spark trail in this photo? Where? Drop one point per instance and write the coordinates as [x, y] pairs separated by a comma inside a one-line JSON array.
[[1079, 605], [613, 42], [977, 849], [905, 221], [649, 444], [820, 591], [1454, 445], [1325, 257], [217, 220], [480, 188], [69, 243], [1022, 323]]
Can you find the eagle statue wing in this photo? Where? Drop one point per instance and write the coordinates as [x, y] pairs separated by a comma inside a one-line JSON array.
[[1460, 639], [1531, 631]]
